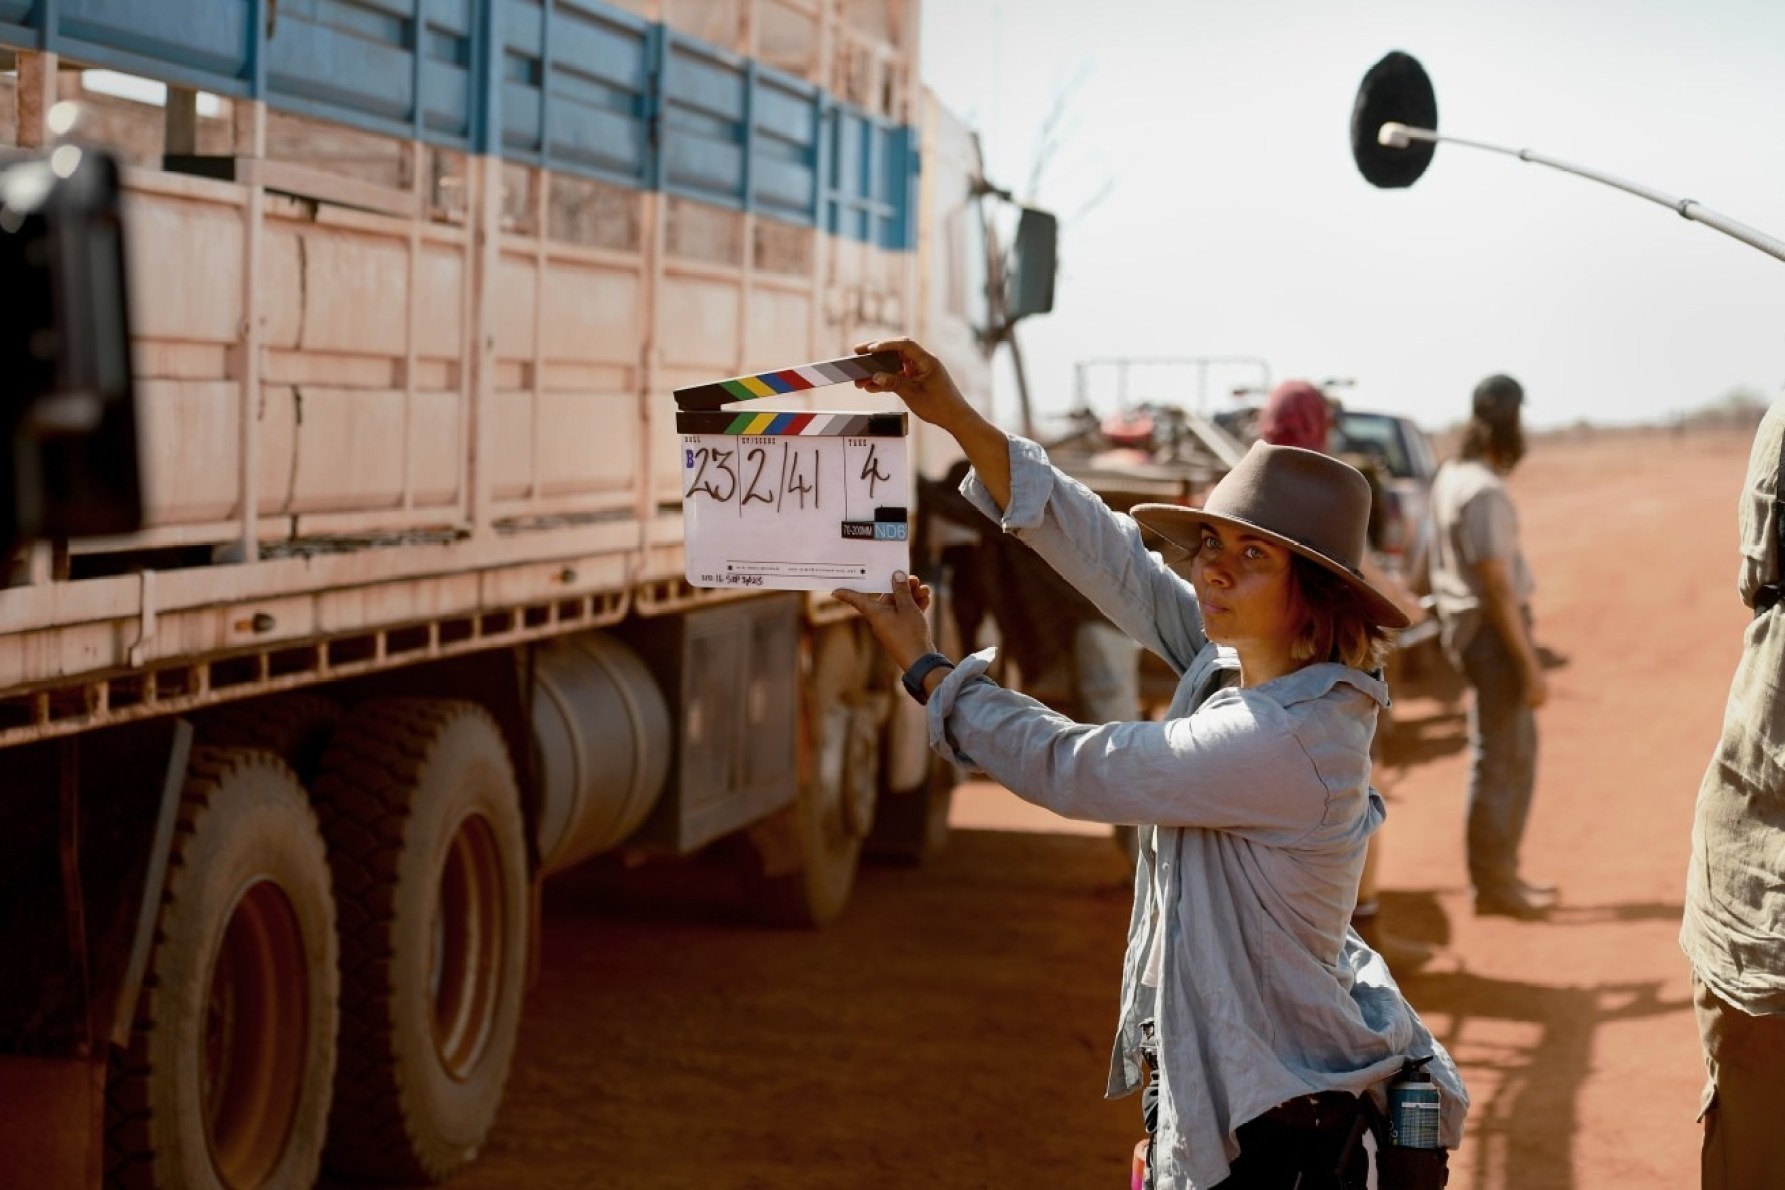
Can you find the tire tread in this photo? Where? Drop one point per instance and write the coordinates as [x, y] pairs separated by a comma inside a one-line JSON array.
[[366, 794], [131, 1157]]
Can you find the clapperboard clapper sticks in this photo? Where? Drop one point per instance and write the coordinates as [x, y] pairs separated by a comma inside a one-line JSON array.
[[793, 500]]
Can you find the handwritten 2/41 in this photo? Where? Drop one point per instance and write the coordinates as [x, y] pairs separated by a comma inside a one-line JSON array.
[[795, 513]]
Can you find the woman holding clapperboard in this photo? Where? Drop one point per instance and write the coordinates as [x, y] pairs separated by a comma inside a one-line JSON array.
[[1270, 1031]]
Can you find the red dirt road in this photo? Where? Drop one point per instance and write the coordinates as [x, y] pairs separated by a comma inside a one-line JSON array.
[[953, 1029]]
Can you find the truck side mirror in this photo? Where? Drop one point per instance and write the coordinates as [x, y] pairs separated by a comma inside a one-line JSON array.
[[1032, 277]]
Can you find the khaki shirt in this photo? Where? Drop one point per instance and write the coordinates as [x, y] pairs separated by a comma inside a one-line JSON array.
[[1734, 926], [1472, 520]]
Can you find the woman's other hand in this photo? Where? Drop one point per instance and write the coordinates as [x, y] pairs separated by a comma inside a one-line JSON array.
[[897, 618]]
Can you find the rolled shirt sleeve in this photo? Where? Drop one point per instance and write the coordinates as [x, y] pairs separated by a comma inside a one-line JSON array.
[[1235, 765]]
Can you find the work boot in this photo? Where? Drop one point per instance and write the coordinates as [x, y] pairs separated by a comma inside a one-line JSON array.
[[1513, 902], [1548, 895]]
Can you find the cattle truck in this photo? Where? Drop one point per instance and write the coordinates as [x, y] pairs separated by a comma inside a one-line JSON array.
[[405, 628]]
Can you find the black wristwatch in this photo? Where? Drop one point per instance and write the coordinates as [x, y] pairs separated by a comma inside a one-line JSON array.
[[920, 669]]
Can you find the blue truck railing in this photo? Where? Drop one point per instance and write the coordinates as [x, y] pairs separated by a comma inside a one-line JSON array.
[[574, 86]]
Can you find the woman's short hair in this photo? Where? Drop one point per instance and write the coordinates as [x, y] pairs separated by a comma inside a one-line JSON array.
[[1338, 626]]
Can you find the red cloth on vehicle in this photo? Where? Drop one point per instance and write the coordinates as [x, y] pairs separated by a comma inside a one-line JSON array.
[[1296, 414]]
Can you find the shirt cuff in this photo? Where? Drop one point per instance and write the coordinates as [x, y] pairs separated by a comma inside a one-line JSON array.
[[1031, 483], [971, 669]]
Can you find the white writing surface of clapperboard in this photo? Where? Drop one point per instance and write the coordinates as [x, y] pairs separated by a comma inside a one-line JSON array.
[[793, 501]]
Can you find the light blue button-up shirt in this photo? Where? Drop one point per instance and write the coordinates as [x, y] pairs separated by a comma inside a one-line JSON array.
[[1263, 807]]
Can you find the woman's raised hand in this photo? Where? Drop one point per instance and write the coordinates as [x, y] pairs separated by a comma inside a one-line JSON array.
[[921, 382], [897, 618]]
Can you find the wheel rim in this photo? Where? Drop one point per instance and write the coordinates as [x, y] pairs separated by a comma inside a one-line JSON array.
[[834, 817], [256, 1025], [469, 943], [843, 804]]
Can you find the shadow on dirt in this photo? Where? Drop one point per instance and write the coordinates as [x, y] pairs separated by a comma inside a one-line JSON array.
[[1418, 739], [708, 886], [1521, 1132], [1416, 914], [1598, 915]]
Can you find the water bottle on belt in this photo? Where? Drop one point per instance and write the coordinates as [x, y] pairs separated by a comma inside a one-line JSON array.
[[1413, 1104]]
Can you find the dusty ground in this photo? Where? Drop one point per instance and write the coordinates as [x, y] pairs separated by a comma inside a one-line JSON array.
[[953, 1029]]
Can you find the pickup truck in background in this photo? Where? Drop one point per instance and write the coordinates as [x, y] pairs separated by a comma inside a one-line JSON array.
[[1405, 464]]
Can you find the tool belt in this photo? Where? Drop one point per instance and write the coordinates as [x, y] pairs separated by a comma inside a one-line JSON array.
[[1412, 1169], [1398, 1168], [1329, 1111], [1320, 1120]]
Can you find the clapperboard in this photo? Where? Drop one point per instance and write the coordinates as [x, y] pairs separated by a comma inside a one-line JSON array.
[[793, 501]]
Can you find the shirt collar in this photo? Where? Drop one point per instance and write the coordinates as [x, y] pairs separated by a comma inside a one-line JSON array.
[[1314, 681], [1310, 681]]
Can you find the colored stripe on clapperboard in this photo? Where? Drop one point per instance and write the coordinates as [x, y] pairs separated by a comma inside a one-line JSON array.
[[785, 380], [804, 425]]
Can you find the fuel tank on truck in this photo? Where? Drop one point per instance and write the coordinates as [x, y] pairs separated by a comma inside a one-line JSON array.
[[603, 732]]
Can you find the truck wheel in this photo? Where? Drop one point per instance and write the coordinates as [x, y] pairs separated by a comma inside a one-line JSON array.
[[226, 1079], [423, 821], [295, 727], [839, 762], [911, 822], [912, 827]]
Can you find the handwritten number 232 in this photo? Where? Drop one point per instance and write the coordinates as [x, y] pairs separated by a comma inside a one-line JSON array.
[[721, 466]]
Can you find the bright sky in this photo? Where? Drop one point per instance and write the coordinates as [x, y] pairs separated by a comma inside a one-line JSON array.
[[1236, 223]]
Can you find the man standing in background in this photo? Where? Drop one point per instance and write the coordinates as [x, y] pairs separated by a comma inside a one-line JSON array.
[[1481, 588], [1734, 928]]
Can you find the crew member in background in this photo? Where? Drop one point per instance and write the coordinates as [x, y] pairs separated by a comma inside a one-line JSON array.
[[1734, 928], [1299, 414], [1481, 588]]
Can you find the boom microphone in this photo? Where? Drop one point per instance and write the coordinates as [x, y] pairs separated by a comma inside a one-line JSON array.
[[1394, 132]]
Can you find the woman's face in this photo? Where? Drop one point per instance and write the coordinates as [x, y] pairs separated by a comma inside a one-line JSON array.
[[1246, 586]]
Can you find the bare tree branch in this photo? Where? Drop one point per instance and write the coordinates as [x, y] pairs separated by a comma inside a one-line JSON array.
[[1096, 200], [1054, 133]]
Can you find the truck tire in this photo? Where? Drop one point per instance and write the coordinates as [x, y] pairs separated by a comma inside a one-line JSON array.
[[426, 841], [294, 727], [911, 824], [911, 827], [226, 1079], [840, 721]]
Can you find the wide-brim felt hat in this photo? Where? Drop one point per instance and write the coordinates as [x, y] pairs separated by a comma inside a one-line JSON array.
[[1312, 503]]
